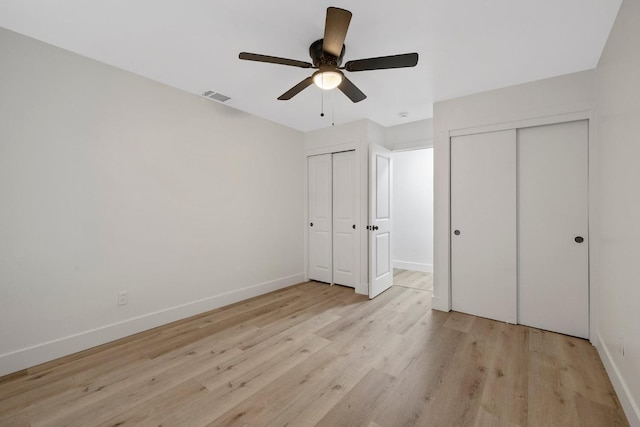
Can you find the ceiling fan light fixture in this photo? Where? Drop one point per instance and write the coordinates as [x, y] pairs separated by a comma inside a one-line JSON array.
[[327, 79], [327, 53]]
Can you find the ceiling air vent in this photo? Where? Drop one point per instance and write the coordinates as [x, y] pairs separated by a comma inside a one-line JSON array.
[[215, 96]]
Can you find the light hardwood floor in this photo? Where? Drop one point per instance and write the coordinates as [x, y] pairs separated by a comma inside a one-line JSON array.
[[413, 279], [315, 354]]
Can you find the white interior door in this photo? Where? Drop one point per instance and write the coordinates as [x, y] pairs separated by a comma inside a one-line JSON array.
[[320, 218], [552, 228], [483, 225], [380, 272], [344, 219]]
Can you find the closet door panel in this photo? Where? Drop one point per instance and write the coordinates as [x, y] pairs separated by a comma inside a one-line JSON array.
[[320, 218], [344, 219], [483, 225], [552, 210]]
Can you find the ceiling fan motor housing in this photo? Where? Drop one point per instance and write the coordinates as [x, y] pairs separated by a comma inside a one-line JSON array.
[[321, 58]]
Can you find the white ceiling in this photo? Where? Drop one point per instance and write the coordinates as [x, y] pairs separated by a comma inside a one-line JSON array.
[[465, 46]]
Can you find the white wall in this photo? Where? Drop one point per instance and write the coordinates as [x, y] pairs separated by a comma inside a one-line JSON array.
[[618, 91], [335, 137], [412, 245], [418, 134], [109, 182], [562, 98]]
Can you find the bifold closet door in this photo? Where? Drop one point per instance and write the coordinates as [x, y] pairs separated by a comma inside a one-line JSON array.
[[483, 225], [552, 228], [320, 218], [344, 219]]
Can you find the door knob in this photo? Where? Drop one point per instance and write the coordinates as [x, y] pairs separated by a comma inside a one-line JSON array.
[[353, 226], [457, 232], [375, 227], [311, 225], [579, 239]]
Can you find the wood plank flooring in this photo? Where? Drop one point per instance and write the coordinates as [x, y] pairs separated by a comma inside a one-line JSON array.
[[413, 279], [321, 355]]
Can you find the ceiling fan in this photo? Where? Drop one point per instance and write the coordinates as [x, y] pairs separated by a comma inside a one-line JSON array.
[[327, 54]]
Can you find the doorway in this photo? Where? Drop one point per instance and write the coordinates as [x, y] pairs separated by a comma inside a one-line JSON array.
[[412, 247]]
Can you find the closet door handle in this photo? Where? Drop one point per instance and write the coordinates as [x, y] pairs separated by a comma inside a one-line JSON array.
[[353, 226], [311, 225], [579, 239], [457, 232], [375, 227]]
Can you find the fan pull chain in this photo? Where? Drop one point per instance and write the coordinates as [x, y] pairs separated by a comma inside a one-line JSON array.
[[322, 99], [333, 107]]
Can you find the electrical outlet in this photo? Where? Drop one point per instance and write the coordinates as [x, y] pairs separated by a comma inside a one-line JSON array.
[[123, 298]]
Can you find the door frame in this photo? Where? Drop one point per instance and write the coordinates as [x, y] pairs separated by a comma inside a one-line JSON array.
[[441, 299]]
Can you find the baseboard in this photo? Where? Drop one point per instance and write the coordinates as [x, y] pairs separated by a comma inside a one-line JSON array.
[[629, 405], [413, 266], [45, 352]]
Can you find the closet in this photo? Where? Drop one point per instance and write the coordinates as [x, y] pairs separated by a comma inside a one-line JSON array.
[[519, 226], [332, 230]]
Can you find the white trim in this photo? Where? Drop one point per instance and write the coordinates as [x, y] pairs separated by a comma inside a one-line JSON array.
[[629, 406], [362, 199], [413, 145], [305, 230], [413, 266], [330, 149], [45, 352], [594, 237], [526, 123]]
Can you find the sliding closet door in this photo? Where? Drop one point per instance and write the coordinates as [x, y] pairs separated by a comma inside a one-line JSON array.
[[344, 219], [553, 227], [483, 225], [320, 218]]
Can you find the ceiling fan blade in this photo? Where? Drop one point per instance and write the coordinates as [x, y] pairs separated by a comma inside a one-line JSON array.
[[383, 62], [273, 60], [353, 93], [335, 30], [296, 89]]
